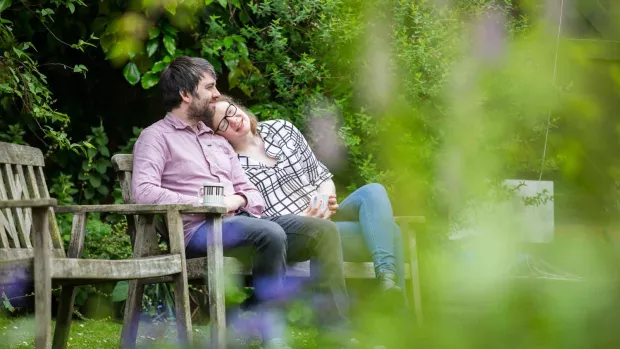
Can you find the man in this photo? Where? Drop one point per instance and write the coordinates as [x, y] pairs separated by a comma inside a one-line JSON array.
[[176, 155]]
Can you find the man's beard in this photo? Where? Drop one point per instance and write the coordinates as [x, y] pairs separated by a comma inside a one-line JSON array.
[[197, 111]]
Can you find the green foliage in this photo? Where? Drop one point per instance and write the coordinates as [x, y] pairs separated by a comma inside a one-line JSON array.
[[94, 175]]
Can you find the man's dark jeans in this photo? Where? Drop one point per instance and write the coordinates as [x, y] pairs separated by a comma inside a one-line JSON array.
[[273, 242]]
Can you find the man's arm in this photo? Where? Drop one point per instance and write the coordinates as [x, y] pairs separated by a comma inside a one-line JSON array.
[[149, 159], [253, 201]]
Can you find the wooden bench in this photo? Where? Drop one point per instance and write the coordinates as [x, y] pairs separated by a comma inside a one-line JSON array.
[[123, 165], [31, 248]]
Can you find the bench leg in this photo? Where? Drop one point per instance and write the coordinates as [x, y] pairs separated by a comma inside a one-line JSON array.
[[181, 288], [415, 278], [63, 319], [131, 319], [67, 294], [42, 278], [215, 281]]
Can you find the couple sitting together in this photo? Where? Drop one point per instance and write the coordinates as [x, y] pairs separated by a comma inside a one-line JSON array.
[[270, 176]]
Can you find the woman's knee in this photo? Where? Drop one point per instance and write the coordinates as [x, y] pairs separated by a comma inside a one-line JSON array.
[[374, 190]]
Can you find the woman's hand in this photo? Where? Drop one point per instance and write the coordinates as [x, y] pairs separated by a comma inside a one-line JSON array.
[[316, 212], [332, 205]]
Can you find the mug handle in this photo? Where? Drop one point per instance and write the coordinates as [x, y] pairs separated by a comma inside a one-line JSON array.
[[200, 194]]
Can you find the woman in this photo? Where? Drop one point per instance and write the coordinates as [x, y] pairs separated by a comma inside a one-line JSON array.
[[278, 160]]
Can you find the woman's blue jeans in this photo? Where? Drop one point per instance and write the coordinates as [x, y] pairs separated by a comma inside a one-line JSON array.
[[366, 223]]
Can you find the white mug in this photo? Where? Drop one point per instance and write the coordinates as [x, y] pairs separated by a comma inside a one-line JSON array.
[[211, 193], [323, 199]]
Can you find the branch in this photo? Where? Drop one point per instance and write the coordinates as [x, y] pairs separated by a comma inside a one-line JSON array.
[[46, 27]]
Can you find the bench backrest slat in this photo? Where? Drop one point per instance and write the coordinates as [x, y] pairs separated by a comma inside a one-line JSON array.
[[21, 177], [123, 165]]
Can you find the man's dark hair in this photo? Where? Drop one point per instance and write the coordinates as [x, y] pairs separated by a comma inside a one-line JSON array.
[[182, 75]]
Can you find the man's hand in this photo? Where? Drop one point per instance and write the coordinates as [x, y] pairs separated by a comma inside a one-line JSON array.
[[233, 203]]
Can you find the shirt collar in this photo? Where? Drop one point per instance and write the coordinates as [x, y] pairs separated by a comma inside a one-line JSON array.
[[179, 124], [264, 131]]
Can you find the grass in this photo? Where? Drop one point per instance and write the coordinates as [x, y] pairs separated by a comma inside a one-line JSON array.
[[18, 333]]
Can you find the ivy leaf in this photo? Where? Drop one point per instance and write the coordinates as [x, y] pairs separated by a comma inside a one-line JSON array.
[[159, 66], [88, 193], [223, 3], [170, 44], [149, 80], [6, 303], [233, 78], [121, 290], [103, 190], [4, 4], [171, 6], [154, 33], [131, 73], [104, 151], [95, 181], [101, 168], [152, 46], [170, 30]]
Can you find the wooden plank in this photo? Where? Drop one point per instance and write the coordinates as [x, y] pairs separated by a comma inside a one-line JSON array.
[[122, 162], [31, 180], [56, 240], [26, 194], [415, 277], [124, 179], [142, 208], [68, 292], [125, 269], [27, 203], [215, 282], [133, 305], [4, 241], [21, 253], [18, 215], [181, 290], [20, 155], [145, 243], [6, 216], [42, 279]]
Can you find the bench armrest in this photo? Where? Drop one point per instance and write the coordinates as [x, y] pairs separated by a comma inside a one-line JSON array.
[[28, 203], [143, 209]]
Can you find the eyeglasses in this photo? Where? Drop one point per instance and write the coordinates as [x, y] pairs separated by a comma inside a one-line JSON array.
[[230, 112]]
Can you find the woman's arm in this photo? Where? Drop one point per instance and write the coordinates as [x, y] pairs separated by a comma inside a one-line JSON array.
[[327, 188]]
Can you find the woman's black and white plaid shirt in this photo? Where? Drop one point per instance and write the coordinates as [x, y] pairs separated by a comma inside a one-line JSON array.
[[288, 186]]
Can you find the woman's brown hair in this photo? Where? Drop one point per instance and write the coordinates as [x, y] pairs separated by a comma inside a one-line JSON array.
[[210, 115]]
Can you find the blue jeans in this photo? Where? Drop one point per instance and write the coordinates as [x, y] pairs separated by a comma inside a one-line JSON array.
[[368, 232]]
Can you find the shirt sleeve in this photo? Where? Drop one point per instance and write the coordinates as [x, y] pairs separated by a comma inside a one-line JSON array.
[[316, 170], [149, 159], [242, 186]]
